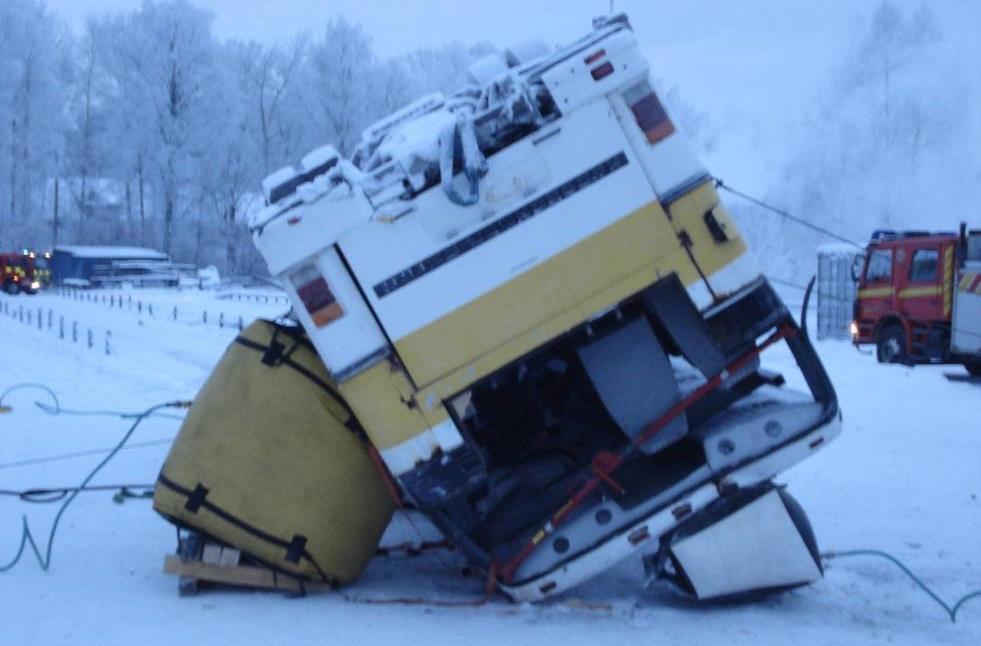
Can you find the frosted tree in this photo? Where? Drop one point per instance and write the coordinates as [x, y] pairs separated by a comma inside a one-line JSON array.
[[266, 77], [336, 86], [163, 59], [882, 148], [31, 120]]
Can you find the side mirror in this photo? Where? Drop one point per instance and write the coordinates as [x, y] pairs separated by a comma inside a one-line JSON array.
[[857, 262], [962, 245]]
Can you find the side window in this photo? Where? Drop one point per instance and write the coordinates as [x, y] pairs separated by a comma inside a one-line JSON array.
[[974, 246], [879, 268], [923, 268]]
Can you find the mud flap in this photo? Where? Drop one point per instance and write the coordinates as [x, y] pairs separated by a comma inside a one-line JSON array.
[[668, 301], [634, 378], [746, 543]]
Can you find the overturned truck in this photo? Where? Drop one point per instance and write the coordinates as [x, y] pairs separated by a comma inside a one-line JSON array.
[[547, 324]]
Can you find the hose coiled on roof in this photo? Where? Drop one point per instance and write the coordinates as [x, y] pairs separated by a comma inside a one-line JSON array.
[[457, 140]]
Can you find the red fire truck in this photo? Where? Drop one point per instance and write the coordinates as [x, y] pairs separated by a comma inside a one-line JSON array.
[[19, 272], [919, 297]]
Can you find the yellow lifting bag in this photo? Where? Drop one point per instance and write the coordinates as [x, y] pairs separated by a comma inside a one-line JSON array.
[[270, 460]]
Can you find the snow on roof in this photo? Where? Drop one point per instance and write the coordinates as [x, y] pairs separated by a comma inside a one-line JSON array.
[[129, 253], [838, 249]]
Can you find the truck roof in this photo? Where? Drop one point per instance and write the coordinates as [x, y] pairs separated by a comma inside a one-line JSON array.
[[890, 235], [108, 252]]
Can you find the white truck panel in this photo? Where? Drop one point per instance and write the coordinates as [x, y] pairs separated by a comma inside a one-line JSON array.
[[381, 250], [965, 335], [350, 340]]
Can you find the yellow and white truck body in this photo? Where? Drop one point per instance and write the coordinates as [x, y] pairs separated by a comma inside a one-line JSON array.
[[512, 284]]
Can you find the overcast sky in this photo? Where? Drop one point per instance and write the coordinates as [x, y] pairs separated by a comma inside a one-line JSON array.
[[680, 37], [751, 61]]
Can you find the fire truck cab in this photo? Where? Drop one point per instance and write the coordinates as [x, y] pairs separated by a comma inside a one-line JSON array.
[[919, 297], [18, 272]]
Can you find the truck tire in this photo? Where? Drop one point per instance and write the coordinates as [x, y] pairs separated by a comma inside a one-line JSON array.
[[11, 288], [891, 345], [973, 367]]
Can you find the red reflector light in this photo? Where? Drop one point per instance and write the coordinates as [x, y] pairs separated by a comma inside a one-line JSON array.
[[314, 292], [681, 511], [602, 71], [595, 56], [648, 112], [639, 535]]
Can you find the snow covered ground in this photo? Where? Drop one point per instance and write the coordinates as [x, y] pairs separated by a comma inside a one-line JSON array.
[[903, 477]]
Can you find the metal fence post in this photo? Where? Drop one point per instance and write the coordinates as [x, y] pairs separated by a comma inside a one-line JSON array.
[[89, 339], [74, 331], [175, 312], [40, 319], [61, 328], [204, 317], [221, 320], [108, 337], [239, 322]]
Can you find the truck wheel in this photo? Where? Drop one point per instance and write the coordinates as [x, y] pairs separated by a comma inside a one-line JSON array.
[[12, 288], [973, 367], [891, 345]]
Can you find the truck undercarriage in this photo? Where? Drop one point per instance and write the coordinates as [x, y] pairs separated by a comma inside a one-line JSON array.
[[569, 433]]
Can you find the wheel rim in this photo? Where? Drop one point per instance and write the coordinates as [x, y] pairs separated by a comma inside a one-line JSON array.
[[891, 348]]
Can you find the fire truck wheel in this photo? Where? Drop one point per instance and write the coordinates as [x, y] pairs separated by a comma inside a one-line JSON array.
[[891, 345], [973, 367], [12, 288]]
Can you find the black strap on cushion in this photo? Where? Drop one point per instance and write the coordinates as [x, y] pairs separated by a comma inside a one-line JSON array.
[[294, 547], [196, 498], [273, 354], [285, 360]]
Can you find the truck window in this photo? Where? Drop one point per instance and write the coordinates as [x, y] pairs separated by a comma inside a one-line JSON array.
[[974, 247], [923, 268], [879, 269]]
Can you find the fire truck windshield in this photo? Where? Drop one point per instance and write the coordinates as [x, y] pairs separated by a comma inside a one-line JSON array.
[[880, 266]]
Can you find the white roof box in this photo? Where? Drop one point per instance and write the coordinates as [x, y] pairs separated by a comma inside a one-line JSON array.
[[319, 157], [283, 182], [416, 109], [487, 68]]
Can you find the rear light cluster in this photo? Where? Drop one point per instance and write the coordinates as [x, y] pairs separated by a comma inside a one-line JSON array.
[[315, 293], [600, 71], [648, 111]]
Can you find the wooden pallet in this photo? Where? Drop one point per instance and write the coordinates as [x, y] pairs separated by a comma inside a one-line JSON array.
[[212, 563]]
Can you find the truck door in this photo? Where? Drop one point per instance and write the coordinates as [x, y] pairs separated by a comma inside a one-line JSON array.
[[966, 323], [875, 294], [920, 287]]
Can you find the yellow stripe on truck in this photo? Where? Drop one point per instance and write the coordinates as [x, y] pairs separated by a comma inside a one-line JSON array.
[[561, 288], [875, 292], [916, 292]]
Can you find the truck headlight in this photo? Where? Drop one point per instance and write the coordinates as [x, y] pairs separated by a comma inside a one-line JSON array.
[[35, 285], [853, 328]]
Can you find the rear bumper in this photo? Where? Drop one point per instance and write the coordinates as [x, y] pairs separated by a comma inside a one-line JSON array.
[[643, 537], [640, 531]]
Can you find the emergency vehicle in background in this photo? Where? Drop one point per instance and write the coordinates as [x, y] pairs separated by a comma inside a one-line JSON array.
[[919, 297], [545, 320], [24, 271]]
